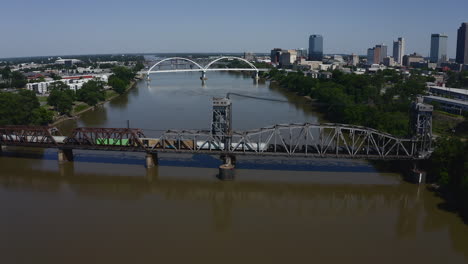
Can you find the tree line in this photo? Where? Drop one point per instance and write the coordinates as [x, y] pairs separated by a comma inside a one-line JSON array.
[[380, 101], [22, 108]]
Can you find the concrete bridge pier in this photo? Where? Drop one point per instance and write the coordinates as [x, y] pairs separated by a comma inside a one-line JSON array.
[[203, 77], [227, 169], [417, 175], [151, 160], [65, 155], [1, 149]]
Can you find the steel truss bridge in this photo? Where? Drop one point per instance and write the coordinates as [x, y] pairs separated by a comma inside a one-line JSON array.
[[287, 140], [199, 68]]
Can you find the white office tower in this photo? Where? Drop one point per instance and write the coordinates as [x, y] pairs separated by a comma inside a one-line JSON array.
[[399, 50]]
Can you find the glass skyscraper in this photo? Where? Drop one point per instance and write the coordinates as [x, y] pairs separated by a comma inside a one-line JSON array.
[[462, 44], [315, 47], [438, 48]]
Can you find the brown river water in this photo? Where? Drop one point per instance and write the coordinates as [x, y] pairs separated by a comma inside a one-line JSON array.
[[106, 207]]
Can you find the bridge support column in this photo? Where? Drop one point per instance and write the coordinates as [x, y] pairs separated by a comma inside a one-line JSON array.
[[65, 155], [1, 149], [416, 174], [227, 170], [203, 77], [151, 160]]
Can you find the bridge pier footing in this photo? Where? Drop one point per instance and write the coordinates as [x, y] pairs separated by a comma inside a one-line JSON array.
[[65, 155], [151, 160], [417, 175], [227, 170]]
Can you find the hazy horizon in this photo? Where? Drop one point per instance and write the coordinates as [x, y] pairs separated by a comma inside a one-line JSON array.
[[87, 27]]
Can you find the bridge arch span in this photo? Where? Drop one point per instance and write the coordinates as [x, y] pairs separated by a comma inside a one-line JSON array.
[[174, 58], [231, 58]]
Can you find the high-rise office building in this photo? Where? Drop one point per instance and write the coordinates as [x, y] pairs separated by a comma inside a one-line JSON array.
[[370, 56], [275, 55], [382, 53], [315, 47], [376, 54], [399, 50], [438, 48], [462, 44]]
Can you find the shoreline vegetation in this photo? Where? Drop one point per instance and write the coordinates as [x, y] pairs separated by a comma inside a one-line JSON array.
[[70, 105], [357, 99], [77, 112]]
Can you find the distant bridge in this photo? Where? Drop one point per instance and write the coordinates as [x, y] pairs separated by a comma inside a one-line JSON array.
[[202, 69]]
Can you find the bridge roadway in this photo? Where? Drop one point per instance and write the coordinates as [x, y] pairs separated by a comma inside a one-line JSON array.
[[287, 140]]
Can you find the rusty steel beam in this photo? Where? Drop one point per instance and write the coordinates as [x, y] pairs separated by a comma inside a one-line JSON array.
[[106, 138], [28, 135]]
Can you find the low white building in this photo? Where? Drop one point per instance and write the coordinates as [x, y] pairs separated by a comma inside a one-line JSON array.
[[74, 84]]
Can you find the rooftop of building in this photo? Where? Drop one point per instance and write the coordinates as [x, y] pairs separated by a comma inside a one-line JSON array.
[[449, 100], [448, 89]]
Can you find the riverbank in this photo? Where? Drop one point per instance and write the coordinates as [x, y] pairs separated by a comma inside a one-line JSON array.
[[110, 95]]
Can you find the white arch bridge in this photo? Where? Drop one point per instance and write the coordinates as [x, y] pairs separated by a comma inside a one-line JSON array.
[[196, 67]]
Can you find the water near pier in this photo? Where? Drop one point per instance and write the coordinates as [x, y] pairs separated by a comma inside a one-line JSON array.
[[107, 208]]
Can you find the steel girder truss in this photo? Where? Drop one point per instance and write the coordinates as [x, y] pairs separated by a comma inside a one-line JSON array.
[[27, 135], [106, 138], [292, 140], [306, 140]]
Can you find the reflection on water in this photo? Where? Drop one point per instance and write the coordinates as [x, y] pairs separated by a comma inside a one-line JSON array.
[[189, 206]]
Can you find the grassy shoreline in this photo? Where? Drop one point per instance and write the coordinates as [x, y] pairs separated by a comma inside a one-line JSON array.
[[76, 112]]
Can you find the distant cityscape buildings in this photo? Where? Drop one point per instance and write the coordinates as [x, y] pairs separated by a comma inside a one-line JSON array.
[[313, 62], [275, 55], [438, 48], [315, 47], [287, 57], [409, 60], [376, 54], [462, 44], [302, 53], [399, 50]]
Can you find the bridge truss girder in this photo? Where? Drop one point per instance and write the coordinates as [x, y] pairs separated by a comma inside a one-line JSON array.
[[305, 140], [27, 135], [127, 139]]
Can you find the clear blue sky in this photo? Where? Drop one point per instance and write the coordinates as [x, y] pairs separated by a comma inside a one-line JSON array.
[[61, 27]]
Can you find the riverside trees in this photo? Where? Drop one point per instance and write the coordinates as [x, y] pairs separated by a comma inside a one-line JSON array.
[[121, 78], [22, 108], [380, 101]]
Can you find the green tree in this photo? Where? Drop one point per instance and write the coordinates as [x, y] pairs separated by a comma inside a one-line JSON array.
[[22, 108], [18, 80], [91, 92], [61, 97], [117, 84], [138, 67], [6, 73]]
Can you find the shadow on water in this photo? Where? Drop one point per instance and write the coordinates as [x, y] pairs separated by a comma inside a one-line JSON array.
[[200, 161]]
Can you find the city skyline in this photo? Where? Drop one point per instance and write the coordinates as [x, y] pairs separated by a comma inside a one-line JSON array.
[[86, 27]]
